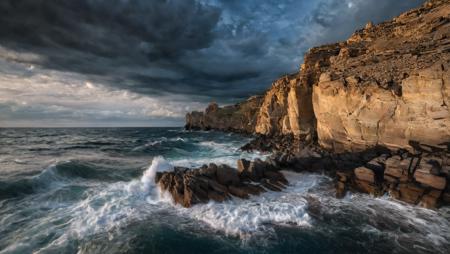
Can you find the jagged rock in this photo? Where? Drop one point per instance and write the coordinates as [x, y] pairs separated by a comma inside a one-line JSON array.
[[239, 118], [255, 170], [227, 175], [209, 171], [238, 192], [242, 165], [192, 186]]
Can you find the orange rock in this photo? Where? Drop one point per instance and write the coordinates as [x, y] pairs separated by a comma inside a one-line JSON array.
[[367, 187], [410, 192], [365, 174], [430, 200], [437, 182]]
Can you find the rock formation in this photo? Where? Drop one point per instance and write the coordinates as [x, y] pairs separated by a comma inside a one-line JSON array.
[[416, 179], [373, 109], [238, 118], [388, 84], [219, 182]]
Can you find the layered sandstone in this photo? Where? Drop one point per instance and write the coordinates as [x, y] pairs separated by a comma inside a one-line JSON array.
[[387, 85], [286, 109]]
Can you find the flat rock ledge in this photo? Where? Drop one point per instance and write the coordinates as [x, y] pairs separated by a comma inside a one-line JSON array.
[[220, 182]]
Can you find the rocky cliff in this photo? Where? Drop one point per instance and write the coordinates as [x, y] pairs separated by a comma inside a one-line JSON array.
[[387, 85], [240, 117]]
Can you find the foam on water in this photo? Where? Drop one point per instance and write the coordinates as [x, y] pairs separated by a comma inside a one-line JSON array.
[[71, 205], [257, 215], [159, 164]]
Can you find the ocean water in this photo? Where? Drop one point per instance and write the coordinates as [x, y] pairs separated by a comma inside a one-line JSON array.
[[91, 190]]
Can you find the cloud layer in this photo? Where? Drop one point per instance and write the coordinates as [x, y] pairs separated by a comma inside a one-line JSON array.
[[176, 54]]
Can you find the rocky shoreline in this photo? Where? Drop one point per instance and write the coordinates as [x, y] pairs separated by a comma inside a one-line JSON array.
[[371, 111], [419, 177]]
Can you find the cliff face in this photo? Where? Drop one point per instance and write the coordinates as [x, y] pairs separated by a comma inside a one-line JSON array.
[[389, 84], [386, 85], [240, 117]]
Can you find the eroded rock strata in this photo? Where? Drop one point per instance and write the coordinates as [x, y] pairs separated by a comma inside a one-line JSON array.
[[374, 109], [388, 84], [220, 182]]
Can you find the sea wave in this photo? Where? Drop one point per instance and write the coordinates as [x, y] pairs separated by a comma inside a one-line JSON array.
[[257, 216]]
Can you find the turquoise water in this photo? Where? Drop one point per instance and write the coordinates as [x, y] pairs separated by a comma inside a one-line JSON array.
[[91, 191]]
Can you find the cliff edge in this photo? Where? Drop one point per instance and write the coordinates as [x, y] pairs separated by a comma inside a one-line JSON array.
[[387, 85]]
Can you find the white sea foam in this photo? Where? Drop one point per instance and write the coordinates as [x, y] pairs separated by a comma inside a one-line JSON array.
[[257, 215], [159, 164], [108, 207]]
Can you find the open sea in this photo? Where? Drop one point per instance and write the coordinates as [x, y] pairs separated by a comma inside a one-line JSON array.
[[91, 190]]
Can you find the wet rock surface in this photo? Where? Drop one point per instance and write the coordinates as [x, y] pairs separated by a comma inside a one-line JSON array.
[[188, 187], [415, 178], [419, 177]]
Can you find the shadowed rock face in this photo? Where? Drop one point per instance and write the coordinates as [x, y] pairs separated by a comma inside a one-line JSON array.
[[388, 84], [188, 187], [238, 118]]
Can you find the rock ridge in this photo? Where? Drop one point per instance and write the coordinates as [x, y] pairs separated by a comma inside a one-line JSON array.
[[385, 85]]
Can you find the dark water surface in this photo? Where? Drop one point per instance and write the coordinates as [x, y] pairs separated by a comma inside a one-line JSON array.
[[90, 190]]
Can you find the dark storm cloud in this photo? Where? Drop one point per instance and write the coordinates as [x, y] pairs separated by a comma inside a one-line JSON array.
[[222, 50]]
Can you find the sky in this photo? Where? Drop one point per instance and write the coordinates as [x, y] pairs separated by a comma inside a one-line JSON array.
[[66, 63]]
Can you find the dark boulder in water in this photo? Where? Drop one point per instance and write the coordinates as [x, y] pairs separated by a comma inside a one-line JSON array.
[[219, 182]]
